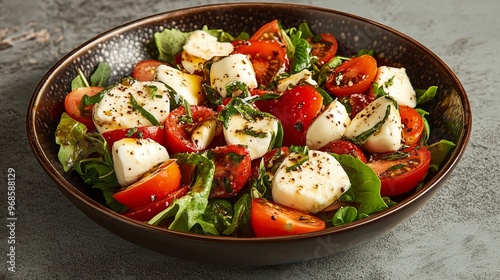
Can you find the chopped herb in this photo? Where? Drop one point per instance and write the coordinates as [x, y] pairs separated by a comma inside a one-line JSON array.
[[146, 114], [131, 132]]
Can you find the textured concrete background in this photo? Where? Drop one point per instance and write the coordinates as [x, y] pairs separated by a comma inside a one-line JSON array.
[[455, 236]]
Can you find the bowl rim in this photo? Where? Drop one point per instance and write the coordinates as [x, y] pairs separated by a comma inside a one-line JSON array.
[[69, 190]]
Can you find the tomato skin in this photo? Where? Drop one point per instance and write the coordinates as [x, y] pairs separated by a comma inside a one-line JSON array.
[[352, 76], [272, 160], [341, 147], [270, 219], [268, 58], [74, 107], [413, 125], [270, 31], [406, 173], [145, 70], [324, 47], [357, 102], [147, 212], [296, 109], [156, 185], [178, 138], [232, 165], [156, 133]]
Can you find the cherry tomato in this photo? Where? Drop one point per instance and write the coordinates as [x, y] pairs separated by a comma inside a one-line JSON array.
[[413, 125], [270, 31], [154, 185], [178, 131], [296, 109], [268, 58], [341, 147], [324, 47], [352, 76], [232, 170], [272, 161], [400, 175], [356, 102], [74, 107], [147, 212], [271, 219], [156, 133], [146, 70]]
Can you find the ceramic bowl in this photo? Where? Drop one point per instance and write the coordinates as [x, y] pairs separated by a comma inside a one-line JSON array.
[[121, 47]]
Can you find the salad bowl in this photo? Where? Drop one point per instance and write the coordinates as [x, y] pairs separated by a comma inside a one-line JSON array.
[[125, 45]]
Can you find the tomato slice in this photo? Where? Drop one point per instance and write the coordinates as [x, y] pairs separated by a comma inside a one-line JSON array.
[[341, 147], [400, 175], [147, 212], [352, 76], [179, 131], [270, 31], [232, 170], [356, 102], [296, 109], [268, 58], [272, 161], [74, 107], [413, 125], [271, 219], [145, 70], [154, 185], [324, 47], [156, 133]]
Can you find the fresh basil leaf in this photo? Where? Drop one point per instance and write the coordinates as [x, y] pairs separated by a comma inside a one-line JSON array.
[[79, 81], [144, 112], [361, 138], [240, 224], [439, 151], [169, 43], [305, 30], [223, 36], [424, 95], [101, 75], [302, 57], [345, 215], [260, 186], [220, 213], [427, 128], [327, 69], [327, 98]]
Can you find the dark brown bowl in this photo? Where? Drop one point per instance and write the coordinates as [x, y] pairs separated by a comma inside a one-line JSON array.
[[121, 47]]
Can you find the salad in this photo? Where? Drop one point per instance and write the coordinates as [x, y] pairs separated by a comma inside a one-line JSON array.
[[265, 134]]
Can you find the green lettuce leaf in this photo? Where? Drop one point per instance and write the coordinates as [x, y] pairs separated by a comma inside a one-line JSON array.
[[169, 42]]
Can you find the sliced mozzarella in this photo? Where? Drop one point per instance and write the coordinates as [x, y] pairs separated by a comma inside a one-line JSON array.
[[205, 46], [134, 157], [397, 84], [388, 137], [293, 80], [191, 63], [204, 133], [236, 67], [256, 135], [114, 111], [312, 187], [188, 86], [329, 126]]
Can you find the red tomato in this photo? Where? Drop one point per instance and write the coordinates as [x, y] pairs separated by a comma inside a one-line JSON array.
[[232, 170], [324, 47], [352, 76], [356, 102], [146, 70], [178, 132], [271, 219], [147, 212], [272, 160], [270, 31], [156, 133], [341, 147], [413, 125], [400, 175], [74, 107], [154, 185], [296, 109], [268, 58]]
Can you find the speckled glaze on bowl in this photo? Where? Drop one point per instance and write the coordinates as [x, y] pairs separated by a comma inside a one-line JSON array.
[[122, 47]]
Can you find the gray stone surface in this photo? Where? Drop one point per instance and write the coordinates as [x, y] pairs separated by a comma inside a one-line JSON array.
[[455, 236]]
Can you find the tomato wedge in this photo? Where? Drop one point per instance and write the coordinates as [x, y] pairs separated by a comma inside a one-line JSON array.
[[232, 170], [356, 102], [271, 219], [296, 109], [399, 175], [341, 147], [270, 31], [145, 70], [74, 107], [268, 58], [179, 130], [352, 76], [154, 185], [156, 133], [324, 47], [413, 125], [147, 212]]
